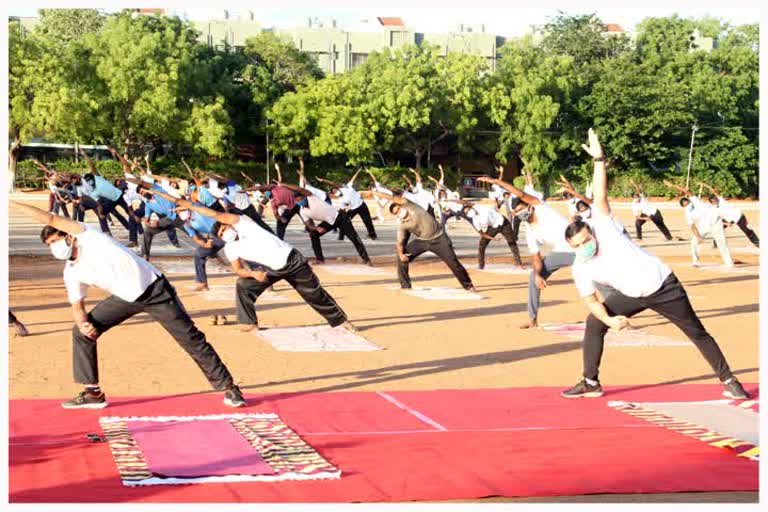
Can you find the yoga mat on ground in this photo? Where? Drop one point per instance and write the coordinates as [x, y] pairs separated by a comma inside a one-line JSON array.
[[399, 446]]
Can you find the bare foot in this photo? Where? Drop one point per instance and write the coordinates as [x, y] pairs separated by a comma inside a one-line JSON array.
[[349, 326], [471, 289], [249, 327], [530, 324], [200, 287], [221, 320]]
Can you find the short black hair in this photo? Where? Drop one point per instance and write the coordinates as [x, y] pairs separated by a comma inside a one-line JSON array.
[[392, 208], [567, 195], [575, 227], [48, 231], [89, 176], [514, 202], [216, 228], [684, 199], [713, 197], [582, 203], [635, 195]]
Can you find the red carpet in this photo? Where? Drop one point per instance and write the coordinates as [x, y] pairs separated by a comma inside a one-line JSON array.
[[399, 446]]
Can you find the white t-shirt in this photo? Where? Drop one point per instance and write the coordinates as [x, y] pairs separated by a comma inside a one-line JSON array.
[[619, 263], [107, 264], [642, 206], [419, 199], [257, 245], [528, 189], [350, 198], [572, 210], [483, 217], [451, 206], [496, 192], [319, 211], [727, 211], [322, 194], [548, 230], [700, 214]]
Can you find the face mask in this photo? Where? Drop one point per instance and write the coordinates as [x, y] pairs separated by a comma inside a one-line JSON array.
[[402, 214], [587, 250], [230, 235], [184, 215], [61, 250], [586, 214]]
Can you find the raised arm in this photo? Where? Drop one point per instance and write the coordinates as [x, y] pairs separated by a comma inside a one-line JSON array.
[[599, 178], [354, 176], [575, 193], [121, 158], [296, 188], [636, 186], [442, 173], [710, 188], [410, 183], [279, 174], [511, 188], [61, 223], [248, 178], [392, 198], [223, 217], [416, 173], [91, 166], [329, 182], [680, 189]]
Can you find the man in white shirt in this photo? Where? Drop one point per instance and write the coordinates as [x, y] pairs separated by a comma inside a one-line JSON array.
[[643, 210], [135, 286], [320, 217], [638, 281], [545, 227], [381, 202], [704, 221], [353, 202], [489, 223], [261, 259], [731, 215]]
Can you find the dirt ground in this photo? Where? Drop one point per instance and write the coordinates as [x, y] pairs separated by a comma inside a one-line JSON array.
[[428, 344]]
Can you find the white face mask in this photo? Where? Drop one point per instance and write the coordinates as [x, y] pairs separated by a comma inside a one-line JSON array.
[[61, 250], [402, 213], [229, 235], [184, 215], [586, 214]]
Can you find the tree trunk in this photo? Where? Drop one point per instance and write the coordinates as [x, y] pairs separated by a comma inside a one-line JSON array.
[[419, 154], [13, 157]]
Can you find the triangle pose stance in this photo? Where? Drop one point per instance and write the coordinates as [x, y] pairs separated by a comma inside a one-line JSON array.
[[135, 286], [638, 280], [261, 259]]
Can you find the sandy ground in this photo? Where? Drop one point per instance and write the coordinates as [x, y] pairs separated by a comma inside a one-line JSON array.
[[427, 344]]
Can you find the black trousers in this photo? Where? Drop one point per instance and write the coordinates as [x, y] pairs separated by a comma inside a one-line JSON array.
[[364, 214], [299, 274], [12, 318], [657, 219], [171, 232], [671, 302], [506, 231], [201, 257], [445, 216], [252, 214], [344, 225], [88, 203], [164, 224], [162, 303], [744, 226], [443, 248], [283, 220], [516, 227]]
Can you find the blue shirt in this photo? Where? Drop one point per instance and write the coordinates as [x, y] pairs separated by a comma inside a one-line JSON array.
[[206, 197], [199, 224], [104, 188], [160, 205]]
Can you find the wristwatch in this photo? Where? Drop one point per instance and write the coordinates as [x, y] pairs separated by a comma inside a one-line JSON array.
[[601, 159]]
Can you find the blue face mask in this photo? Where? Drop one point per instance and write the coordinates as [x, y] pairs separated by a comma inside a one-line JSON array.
[[586, 250], [303, 203]]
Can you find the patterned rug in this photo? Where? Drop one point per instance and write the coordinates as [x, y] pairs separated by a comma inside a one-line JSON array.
[[156, 450]]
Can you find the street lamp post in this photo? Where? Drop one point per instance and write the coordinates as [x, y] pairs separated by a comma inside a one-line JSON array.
[[690, 155], [267, 118]]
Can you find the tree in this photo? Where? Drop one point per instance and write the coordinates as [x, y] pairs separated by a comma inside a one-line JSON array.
[[59, 27], [583, 38]]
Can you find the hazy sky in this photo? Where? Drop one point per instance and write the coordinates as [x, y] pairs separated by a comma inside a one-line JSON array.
[[442, 16]]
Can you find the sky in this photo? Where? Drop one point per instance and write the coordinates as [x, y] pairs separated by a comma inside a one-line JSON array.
[[441, 16]]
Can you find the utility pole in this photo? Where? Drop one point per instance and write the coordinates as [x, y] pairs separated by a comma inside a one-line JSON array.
[[690, 154], [267, 118]]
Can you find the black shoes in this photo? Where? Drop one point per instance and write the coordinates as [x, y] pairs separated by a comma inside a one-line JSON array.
[[583, 389], [735, 390], [86, 400], [233, 397]]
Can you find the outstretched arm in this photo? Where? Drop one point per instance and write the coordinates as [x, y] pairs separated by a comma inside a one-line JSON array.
[[710, 188], [90, 162], [636, 186], [354, 176], [599, 178], [279, 174], [61, 223], [575, 193], [511, 188], [392, 198], [442, 173], [329, 182], [224, 218], [121, 158], [295, 188], [416, 173], [410, 183], [680, 189], [247, 177]]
